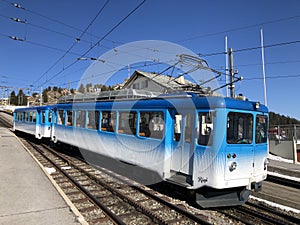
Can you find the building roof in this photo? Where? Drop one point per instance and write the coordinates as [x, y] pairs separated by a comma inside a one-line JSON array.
[[167, 82]]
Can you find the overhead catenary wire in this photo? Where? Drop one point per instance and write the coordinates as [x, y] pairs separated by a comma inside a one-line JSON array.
[[274, 77], [251, 48], [72, 46], [205, 35], [240, 28], [101, 39], [241, 50], [54, 20]]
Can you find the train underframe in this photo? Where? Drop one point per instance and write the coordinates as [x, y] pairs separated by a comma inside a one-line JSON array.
[[208, 197]]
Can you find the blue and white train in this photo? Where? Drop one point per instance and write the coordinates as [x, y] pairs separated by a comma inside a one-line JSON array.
[[34, 120], [215, 146]]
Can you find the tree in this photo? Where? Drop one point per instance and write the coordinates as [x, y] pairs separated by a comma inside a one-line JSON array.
[[21, 98], [48, 88], [45, 95], [88, 86], [13, 98], [277, 119], [81, 88]]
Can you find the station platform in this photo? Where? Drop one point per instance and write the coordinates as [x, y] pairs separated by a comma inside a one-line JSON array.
[[26, 194], [284, 168]]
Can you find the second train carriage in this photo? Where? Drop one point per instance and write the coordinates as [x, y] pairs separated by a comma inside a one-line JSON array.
[[216, 146], [34, 120]]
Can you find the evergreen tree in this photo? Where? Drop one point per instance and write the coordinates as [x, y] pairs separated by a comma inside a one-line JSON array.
[[21, 98], [277, 119], [81, 88], [88, 86], [45, 95], [13, 98]]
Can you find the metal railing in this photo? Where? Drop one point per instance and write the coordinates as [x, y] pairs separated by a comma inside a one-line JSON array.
[[285, 132]]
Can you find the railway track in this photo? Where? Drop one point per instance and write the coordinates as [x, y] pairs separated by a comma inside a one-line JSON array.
[[104, 197], [280, 191], [255, 213], [5, 120], [283, 181]]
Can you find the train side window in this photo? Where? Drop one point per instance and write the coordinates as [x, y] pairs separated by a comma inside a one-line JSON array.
[[60, 117], [19, 116], [239, 128], [177, 127], [108, 122], [93, 120], [261, 129], [69, 118], [26, 116], [43, 116], [34, 117], [30, 116], [152, 124], [49, 116], [127, 123], [189, 127], [80, 118], [206, 126]]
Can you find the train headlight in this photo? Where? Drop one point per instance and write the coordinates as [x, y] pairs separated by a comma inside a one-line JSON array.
[[257, 105], [266, 162], [232, 166]]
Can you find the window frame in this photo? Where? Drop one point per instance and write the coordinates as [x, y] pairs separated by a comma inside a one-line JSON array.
[[239, 128], [145, 131], [203, 138], [111, 124], [264, 140], [93, 119], [128, 128], [80, 118]]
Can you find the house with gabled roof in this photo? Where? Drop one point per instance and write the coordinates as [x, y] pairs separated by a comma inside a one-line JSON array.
[[141, 80]]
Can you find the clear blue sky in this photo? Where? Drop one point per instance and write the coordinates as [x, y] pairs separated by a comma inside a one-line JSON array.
[[52, 26]]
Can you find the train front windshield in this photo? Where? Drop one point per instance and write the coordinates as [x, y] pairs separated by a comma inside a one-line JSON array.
[[240, 128], [261, 129]]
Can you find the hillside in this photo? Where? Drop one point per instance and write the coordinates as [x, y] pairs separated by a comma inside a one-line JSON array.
[[277, 119]]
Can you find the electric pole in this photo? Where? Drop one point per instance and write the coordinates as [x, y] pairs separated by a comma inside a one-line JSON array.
[[231, 71]]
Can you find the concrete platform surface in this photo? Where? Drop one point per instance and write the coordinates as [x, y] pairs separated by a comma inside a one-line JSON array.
[[26, 194], [285, 168]]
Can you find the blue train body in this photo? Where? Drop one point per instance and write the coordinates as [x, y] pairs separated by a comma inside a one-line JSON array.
[[215, 146], [34, 120]]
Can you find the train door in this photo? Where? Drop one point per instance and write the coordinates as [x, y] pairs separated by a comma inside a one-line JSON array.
[[183, 144], [240, 147]]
